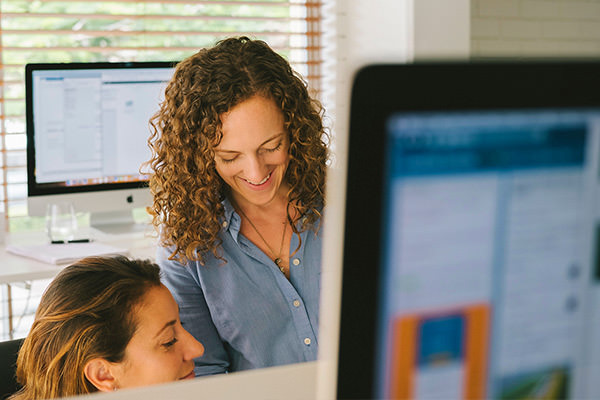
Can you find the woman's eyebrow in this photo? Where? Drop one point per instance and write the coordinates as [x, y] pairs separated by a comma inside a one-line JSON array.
[[165, 326], [225, 151], [276, 136]]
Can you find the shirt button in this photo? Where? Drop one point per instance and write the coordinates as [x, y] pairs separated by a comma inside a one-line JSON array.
[[224, 224], [307, 341], [296, 303], [296, 261]]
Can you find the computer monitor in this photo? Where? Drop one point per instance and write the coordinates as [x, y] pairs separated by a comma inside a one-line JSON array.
[[470, 266], [87, 133]]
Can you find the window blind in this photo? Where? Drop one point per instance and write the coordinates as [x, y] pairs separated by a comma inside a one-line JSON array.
[[130, 30]]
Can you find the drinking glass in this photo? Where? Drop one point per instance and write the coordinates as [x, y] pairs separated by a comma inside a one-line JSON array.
[[61, 222]]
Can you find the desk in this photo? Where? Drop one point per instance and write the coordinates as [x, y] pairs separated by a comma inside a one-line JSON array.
[[14, 268]]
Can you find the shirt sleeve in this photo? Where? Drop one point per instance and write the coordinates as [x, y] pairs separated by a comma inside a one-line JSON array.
[[194, 314]]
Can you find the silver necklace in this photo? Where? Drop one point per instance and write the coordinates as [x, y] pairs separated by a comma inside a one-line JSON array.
[[276, 257]]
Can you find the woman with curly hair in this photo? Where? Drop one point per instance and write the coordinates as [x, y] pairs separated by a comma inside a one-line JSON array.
[[238, 175]]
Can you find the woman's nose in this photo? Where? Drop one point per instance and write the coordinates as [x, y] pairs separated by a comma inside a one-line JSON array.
[[255, 170], [192, 347]]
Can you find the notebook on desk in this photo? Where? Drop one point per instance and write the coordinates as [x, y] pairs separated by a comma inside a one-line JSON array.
[[470, 267], [65, 253]]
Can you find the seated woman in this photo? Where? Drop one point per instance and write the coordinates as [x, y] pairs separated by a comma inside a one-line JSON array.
[[104, 323]]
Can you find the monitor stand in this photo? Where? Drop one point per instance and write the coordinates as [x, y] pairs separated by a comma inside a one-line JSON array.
[[116, 222]]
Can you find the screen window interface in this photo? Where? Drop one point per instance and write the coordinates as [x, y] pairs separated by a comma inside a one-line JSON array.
[[488, 255], [91, 126]]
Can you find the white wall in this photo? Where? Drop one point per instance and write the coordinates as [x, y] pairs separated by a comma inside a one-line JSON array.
[[359, 33], [537, 28], [440, 29]]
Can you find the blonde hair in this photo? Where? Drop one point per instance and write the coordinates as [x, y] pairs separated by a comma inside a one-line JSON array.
[[188, 192], [87, 311]]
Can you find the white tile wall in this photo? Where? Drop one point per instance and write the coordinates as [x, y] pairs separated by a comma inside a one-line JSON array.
[[535, 28]]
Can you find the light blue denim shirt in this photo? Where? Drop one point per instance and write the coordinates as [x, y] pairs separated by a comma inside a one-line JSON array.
[[245, 312]]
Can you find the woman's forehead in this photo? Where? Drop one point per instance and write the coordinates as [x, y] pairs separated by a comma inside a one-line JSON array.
[[157, 305], [255, 121]]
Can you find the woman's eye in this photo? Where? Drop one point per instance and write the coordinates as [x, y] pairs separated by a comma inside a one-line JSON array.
[[228, 160], [274, 148], [170, 343]]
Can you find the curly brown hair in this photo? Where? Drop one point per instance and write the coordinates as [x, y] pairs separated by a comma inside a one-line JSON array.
[[187, 190]]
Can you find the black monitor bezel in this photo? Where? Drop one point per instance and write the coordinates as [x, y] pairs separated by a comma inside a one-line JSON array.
[[35, 189], [378, 92]]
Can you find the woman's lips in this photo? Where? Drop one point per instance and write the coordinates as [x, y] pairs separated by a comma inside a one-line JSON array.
[[188, 376], [261, 185]]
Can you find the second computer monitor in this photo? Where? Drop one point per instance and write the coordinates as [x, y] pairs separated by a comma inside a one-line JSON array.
[[87, 136], [470, 258]]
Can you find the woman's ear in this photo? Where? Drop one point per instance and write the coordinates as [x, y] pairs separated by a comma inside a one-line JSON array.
[[99, 372]]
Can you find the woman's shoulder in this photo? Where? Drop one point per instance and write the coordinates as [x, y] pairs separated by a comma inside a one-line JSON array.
[[168, 261]]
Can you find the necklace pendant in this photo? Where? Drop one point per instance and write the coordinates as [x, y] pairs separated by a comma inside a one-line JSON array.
[[277, 262]]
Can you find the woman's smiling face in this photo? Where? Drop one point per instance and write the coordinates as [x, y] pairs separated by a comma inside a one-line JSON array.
[[253, 155], [161, 350]]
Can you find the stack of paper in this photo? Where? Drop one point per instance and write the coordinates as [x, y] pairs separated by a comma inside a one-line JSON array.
[[65, 253]]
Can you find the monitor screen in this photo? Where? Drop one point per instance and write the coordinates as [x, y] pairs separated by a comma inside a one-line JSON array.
[[482, 279], [487, 234], [87, 131]]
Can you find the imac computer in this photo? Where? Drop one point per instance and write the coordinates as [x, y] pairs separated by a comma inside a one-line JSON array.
[[471, 266], [87, 134]]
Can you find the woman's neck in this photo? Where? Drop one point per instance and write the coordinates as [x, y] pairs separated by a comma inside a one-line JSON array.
[[277, 206]]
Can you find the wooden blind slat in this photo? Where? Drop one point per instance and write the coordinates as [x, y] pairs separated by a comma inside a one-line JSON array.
[[35, 15], [141, 48], [144, 32], [201, 2]]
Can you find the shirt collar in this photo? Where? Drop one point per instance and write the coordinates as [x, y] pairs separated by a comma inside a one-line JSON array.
[[231, 219], [233, 222]]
